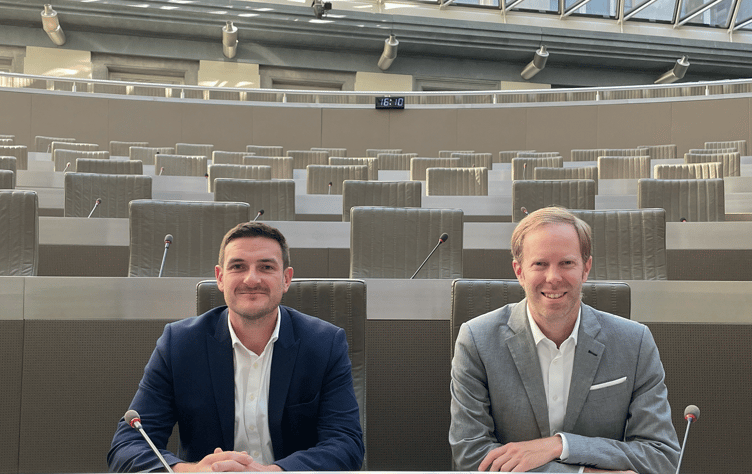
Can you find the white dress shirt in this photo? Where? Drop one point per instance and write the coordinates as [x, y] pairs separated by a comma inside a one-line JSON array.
[[252, 375]]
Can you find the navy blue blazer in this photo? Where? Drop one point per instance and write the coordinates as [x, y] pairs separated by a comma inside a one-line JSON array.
[[313, 414]]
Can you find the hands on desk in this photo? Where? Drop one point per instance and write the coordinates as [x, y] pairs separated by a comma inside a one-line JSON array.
[[522, 456], [225, 461]]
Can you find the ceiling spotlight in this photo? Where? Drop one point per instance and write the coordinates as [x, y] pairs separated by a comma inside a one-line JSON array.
[[536, 65], [675, 73], [51, 25], [229, 40], [389, 54], [320, 8]]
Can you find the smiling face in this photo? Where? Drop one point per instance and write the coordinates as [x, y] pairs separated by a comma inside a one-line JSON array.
[[552, 272], [253, 278]]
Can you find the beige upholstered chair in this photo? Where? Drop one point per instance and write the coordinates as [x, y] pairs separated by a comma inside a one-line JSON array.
[[340, 302], [689, 171], [319, 177], [474, 160], [238, 172], [148, 154], [19, 152], [418, 166], [338, 152], [740, 145], [12, 139], [303, 158], [594, 153], [580, 172], [276, 198], [660, 151], [9, 163], [62, 157], [7, 179], [711, 151], [197, 229], [732, 165], [282, 166], [388, 242], [533, 195], [395, 161], [194, 149], [585, 154], [524, 168], [623, 167], [116, 191], [379, 193], [19, 218], [265, 150], [697, 200], [72, 146], [43, 144], [118, 148], [538, 154], [627, 244], [229, 157], [507, 155], [180, 165], [448, 153], [85, 165], [457, 182], [374, 152], [371, 163]]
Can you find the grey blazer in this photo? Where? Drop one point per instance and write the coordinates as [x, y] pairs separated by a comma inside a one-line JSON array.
[[617, 417]]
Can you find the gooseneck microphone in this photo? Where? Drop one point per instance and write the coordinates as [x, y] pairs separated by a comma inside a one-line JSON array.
[[330, 187], [67, 165], [259, 214], [691, 414], [442, 239], [134, 420], [524, 170], [524, 210], [167, 242], [96, 205]]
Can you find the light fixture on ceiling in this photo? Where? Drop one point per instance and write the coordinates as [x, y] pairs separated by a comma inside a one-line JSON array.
[[320, 8], [675, 73], [536, 65], [389, 54], [51, 25], [229, 40]]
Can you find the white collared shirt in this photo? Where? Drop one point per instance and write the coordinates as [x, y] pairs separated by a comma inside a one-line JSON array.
[[252, 375]]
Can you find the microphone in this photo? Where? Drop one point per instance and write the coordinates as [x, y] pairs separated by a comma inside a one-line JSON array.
[[524, 210], [683, 219], [691, 414], [444, 237], [167, 242], [524, 170], [67, 165], [330, 187], [134, 420], [259, 214], [161, 170], [96, 204]]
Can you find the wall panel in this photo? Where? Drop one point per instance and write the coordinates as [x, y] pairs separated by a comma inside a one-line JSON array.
[[632, 125], [698, 121], [355, 129], [562, 129], [71, 116], [15, 117], [491, 130]]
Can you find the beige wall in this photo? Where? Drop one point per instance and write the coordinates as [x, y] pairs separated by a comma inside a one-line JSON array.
[[57, 62], [370, 81], [228, 74]]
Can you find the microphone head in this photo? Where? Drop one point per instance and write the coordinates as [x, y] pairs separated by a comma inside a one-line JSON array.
[[167, 240], [99, 200], [524, 210], [444, 237], [132, 417], [330, 183], [691, 412], [261, 212], [683, 219]]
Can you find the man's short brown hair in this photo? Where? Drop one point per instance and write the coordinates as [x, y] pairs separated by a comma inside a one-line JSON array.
[[546, 216], [255, 229]]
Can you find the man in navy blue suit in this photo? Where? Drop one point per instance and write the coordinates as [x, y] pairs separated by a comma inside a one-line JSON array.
[[253, 386]]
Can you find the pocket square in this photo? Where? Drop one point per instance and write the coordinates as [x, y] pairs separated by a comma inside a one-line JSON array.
[[608, 384]]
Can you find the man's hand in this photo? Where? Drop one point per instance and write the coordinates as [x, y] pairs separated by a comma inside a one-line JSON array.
[[522, 456], [225, 461]]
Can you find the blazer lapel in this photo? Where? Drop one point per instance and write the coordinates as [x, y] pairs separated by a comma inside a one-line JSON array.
[[222, 373], [587, 357], [283, 363], [525, 356]]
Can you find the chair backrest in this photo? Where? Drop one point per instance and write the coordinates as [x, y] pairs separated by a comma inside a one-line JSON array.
[[303, 158], [238, 172], [73, 146], [197, 229], [697, 200], [457, 182], [194, 149], [689, 171], [732, 165], [19, 152], [276, 198], [7, 141], [590, 154], [228, 157], [371, 163], [533, 195], [711, 151], [379, 193], [43, 144], [660, 151], [148, 154], [623, 167], [181, 165], [116, 191], [624, 152], [19, 233], [9, 163], [474, 160], [506, 156], [538, 154], [12, 139], [282, 166], [471, 298], [524, 168], [387, 242], [448, 153], [374, 152], [62, 157], [265, 150], [418, 166], [319, 177], [85, 165], [340, 302], [118, 148], [580, 172], [7, 179], [338, 152], [627, 244], [740, 145], [395, 161]]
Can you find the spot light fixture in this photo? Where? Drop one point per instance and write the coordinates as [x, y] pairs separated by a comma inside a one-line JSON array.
[[229, 40], [51, 25], [536, 65], [675, 73], [389, 54]]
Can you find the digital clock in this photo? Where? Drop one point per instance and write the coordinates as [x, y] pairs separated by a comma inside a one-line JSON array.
[[390, 102]]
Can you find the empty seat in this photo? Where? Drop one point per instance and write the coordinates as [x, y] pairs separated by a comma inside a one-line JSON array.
[[42, 144], [194, 149], [374, 152], [594, 153], [282, 166], [265, 150], [197, 229], [228, 157], [371, 163], [457, 182], [474, 160], [740, 145], [320, 176], [387, 242], [85, 165], [19, 233], [12, 139], [507, 155], [660, 151], [180, 165], [581, 172], [533, 195], [524, 168], [7, 142], [712, 151], [339, 152], [395, 161], [123, 148], [303, 158], [9, 163], [148, 155], [689, 171], [276, 198], [697, 200], [448, 153], [623, 167], [19, 152], [418, 166], [63, 157], [7, 179], [379, 193], [115, 191], [732, 165], [237, 172], [73, 146], [538, 154]]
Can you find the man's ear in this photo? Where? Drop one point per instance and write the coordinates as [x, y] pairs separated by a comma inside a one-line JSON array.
[[219, 276], [287, 273], [586, 270]]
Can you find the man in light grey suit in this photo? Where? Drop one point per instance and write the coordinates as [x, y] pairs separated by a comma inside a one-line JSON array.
[[551, 384]]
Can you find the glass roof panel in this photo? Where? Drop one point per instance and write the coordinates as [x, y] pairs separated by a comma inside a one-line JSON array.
[[745, 13], [604, 8], [482, 3], [717, 16], [548, 6], [662, 10]]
